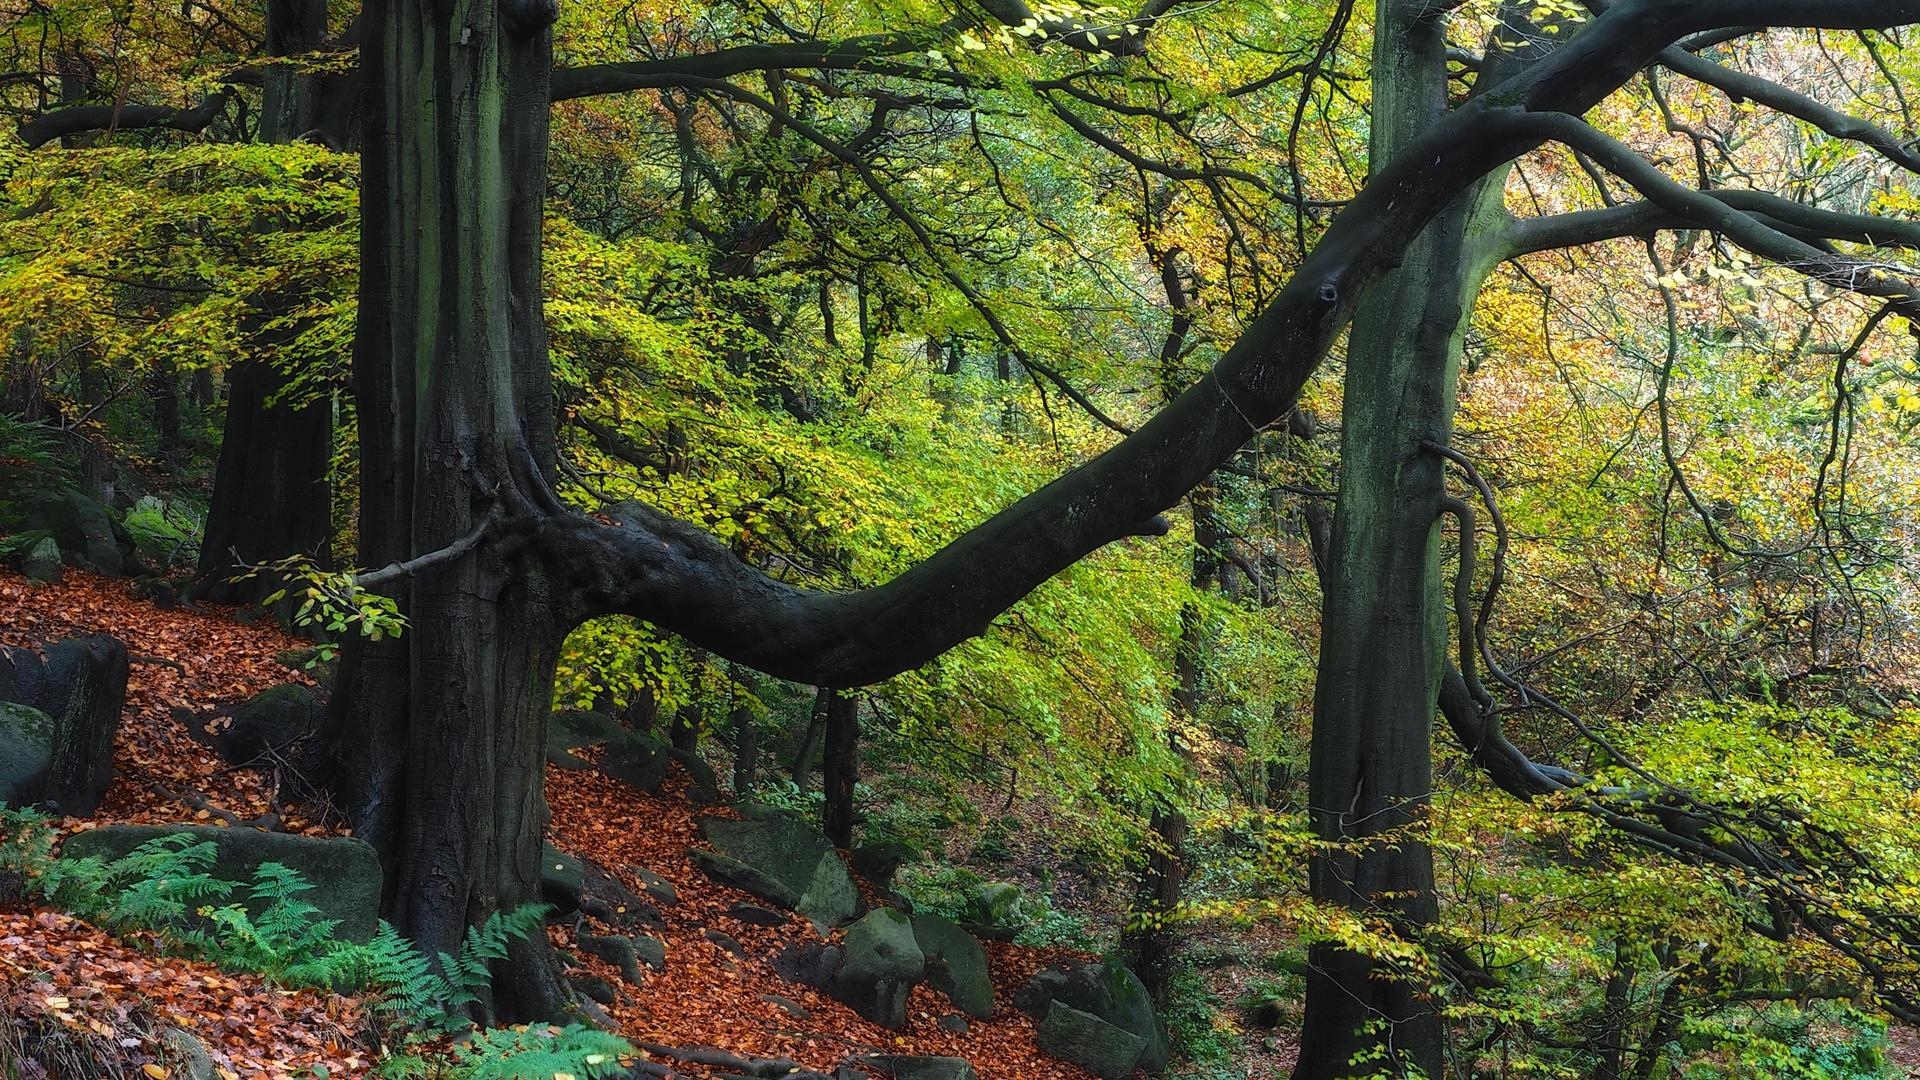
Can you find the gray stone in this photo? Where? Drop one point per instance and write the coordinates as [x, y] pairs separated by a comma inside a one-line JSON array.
[[1108, 991], [788, 1005], [781, 859], [995, 910], [594, 987], [955, 1023], [85, 531], [650, 951], [617, 951], [755, 915], [725, 941], [657, 887], [880, 964], [563, 879], [41, 564], [344, 871], [80, 685], [271, 722], [26, 753], [187, 1055], [1086, 1040], [956, 964], [905, 1067], [879, 862]]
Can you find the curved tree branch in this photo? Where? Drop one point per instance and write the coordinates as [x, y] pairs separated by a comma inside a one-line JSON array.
[[641, 562], [60, 123]]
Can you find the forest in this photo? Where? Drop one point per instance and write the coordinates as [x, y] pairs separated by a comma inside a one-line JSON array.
[[960, 539]]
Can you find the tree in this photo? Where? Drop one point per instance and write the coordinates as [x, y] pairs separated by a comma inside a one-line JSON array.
[[443, 729]]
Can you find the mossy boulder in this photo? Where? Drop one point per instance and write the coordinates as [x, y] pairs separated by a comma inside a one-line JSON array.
[[1109, 991], [344, 872], [880, 963], [279, 721], [79, 686], [956, 964], [1103, 1049], [781, 859]]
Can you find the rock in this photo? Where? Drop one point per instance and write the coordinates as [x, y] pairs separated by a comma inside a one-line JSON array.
[[1086, 1040], [344, 871], [787, 1005], [781, 859], [187, 1054], [26, 753], [595, 987], [955, 1023], [905, 1067], [706, 786], [755, 915], [80, 685], [617, 951], [85, 532], [41, 564], [650, 951], [995, 910], [880, 964], [811, 964], [1109, 992], [880, 861], [956, 964], [563, 879], [726, 942], [271, 722], [657, 887], [640, 762]]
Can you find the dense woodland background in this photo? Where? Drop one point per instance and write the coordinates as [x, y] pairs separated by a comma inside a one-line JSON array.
[[1392, 527]]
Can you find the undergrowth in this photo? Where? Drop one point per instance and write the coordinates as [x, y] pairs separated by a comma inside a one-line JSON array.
[[166, 887]]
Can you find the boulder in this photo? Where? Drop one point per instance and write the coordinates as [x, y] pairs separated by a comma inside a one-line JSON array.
[[1108, 991], [615, 950], [187, 1054], [85, 532], [563, 879], [880, 962], [41, 564], [80, 686], [639, 761], [956, 964], [1086, 1040], [344, 871], [755, 915], [878, 862], [274, 721], [594, 987], [781, 859], [995, 910], [650, 951], [905, 1067], [26, 753], [657, 887]]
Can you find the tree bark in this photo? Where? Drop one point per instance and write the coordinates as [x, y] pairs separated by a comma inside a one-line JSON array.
[[271, 495], [1384, 619], [840, 766], [445, 726]]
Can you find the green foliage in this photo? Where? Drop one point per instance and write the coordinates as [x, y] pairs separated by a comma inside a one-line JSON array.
[[31, 468], [166, 532], [331, 600], [1202, 1031]]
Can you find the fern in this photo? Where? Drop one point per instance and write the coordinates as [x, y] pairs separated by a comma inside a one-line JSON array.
[[540, 1053]]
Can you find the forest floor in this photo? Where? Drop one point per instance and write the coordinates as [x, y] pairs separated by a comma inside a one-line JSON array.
[[61, 975]]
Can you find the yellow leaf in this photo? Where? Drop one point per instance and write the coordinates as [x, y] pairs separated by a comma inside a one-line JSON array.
[[58, 1003], [158, 1072]]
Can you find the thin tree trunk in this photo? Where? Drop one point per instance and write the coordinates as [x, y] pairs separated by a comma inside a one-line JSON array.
[[810, 739], [840, 766]]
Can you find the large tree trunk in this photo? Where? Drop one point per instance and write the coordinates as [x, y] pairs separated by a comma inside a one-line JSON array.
[[445, 725], [1384, 622], [271, 496]]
